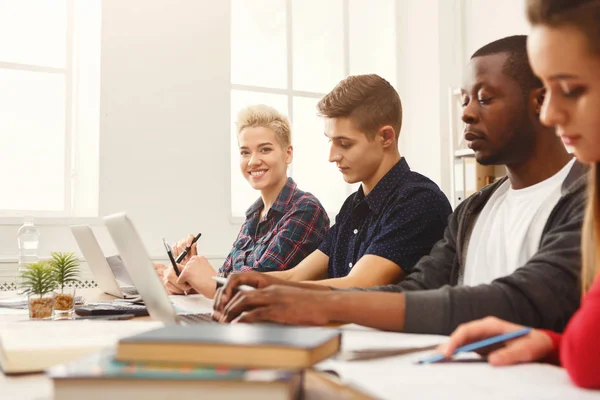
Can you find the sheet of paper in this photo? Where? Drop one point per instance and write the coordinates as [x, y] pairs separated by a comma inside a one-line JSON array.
[[13, 302], [192, 304], [356, 337], [469, 378]]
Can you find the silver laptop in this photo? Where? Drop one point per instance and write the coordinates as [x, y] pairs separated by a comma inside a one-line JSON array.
[[106, 275], [140, 268]]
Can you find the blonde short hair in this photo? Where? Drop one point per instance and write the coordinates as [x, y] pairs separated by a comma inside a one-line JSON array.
[[266, 117]]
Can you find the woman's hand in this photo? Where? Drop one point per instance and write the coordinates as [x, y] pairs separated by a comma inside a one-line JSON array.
[[531, 347], [181, 245], [197, 274]]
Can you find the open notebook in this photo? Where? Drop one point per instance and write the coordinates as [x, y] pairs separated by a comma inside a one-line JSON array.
[[398, 376], [31, 346]]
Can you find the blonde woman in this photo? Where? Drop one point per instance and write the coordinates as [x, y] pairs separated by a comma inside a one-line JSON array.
[[564, 49], [282, 227]]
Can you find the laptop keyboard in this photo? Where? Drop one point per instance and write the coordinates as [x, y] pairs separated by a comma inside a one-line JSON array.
[[204, 318], [111, 309]]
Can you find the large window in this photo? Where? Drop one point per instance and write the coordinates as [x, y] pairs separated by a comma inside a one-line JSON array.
[[288, 54], [49, 102]]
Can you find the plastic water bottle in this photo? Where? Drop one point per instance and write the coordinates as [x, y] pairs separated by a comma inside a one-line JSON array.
[[28, 238]]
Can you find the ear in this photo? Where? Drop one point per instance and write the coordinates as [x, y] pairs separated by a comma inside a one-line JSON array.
[[537, 99], [289, 154], [387, 135]]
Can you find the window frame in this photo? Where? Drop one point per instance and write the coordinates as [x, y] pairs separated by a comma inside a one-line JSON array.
[[290, 92], [9, 217]]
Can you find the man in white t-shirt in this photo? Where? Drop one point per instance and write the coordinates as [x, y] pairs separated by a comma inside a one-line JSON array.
[[511, 250], [508, 230]]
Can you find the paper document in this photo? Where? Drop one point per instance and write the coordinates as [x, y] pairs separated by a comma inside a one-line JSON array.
[[470, 377], [192, 304]]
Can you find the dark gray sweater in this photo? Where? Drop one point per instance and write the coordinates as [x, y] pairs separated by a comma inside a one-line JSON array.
[[543, 293]]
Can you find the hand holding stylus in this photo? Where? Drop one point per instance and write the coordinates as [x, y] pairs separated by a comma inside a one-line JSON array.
[[185, 249], [175, 268]]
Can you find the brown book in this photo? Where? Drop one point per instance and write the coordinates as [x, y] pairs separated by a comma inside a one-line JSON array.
[[234, 345]]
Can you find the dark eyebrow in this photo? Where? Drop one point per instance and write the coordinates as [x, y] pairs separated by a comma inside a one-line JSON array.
[[259, 146], [562, 77], [476, 88], [338, 137]]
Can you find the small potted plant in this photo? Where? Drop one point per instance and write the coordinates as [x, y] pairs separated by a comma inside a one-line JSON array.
[[38, 282], [65, 268]]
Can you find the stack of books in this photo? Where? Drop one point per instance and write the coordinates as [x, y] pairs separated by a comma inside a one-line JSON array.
[[215, 361]]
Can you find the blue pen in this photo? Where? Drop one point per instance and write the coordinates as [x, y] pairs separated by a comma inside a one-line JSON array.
[[479, 345]]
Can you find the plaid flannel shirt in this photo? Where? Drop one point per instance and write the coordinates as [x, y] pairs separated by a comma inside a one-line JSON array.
[[290, 230]]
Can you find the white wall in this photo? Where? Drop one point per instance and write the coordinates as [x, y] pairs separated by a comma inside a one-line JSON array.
[[485, 21], [164, 145], [418, 85], [429, 64], [164, 128]]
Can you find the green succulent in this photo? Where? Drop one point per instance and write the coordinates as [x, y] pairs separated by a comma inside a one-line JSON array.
[[65, 268], [38, 278]]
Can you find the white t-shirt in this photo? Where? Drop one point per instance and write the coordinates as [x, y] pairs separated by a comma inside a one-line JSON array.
[[509, 228]]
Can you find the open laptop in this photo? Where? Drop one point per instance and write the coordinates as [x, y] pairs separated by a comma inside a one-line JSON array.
[[140, 268], [99, 265]]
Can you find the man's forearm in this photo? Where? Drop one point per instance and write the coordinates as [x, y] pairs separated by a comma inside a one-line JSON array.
[[308, 285], [285, 275], [384, 311], [338, 283]]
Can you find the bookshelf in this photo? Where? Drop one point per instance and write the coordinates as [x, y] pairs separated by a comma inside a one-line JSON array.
[[467, 176]]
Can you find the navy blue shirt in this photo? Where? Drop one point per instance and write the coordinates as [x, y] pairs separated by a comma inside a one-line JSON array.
[[399, 220]]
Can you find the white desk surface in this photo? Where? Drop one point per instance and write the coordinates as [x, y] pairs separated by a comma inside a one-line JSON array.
[[387, 378]]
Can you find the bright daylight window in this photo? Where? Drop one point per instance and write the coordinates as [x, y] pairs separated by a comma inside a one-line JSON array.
[[49, 107], [290, 53]]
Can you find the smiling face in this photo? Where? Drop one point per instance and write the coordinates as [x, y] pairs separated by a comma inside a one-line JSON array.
[[570, 71], [499, 117], [357, 157], [263, 161]]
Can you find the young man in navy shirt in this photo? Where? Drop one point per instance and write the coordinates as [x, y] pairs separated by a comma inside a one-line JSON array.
[[396, 215]]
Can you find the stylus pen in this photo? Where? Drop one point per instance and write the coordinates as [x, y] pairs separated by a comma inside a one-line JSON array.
[[188, 248], [173, 263], [222, 281]]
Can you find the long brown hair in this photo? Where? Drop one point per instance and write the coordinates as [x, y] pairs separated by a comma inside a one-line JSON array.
[[590, 240], [584, 15]]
